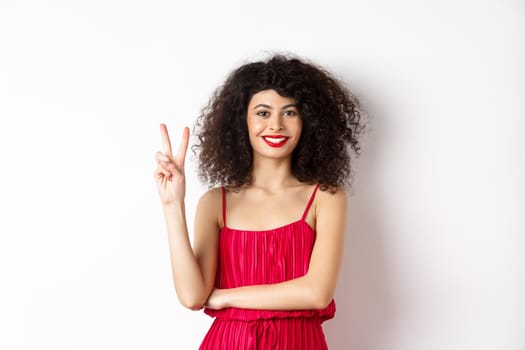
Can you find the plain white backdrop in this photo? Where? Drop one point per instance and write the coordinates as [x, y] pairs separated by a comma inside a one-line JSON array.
[[435, 232]]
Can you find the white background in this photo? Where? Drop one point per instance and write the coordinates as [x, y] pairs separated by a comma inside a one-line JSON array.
[[435, 225]]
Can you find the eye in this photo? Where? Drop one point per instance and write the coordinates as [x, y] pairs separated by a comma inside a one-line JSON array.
[[290, 113], [262, 113]]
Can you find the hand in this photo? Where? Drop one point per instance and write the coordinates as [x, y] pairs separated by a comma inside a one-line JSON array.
[[169, 175], [217, 299]]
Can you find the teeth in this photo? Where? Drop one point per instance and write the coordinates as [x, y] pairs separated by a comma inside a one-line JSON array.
[[275, 140]]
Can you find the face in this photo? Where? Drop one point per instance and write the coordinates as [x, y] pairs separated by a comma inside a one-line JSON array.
[[274, 124]]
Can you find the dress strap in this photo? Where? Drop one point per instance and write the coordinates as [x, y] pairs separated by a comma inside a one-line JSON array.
[[310, 202], [223, 206]]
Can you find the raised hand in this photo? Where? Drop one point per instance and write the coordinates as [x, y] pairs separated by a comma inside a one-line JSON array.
[[169, 174]]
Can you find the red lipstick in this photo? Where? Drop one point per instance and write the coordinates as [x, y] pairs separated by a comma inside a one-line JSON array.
[[275, 140]]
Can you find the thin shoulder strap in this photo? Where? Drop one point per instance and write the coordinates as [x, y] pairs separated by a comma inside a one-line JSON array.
[[223, 206], [310, 202]]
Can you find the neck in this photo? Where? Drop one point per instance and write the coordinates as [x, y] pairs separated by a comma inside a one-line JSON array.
[[272, 174]]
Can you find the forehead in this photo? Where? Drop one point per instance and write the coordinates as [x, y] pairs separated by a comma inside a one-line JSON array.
[[271, 98]]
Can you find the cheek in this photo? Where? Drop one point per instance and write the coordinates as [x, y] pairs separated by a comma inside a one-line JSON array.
[[297, 126], [255, 126]]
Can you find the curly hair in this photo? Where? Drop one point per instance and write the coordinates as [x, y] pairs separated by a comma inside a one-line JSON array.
[[329, 112]]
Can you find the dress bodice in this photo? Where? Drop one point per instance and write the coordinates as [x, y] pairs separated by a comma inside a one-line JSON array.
[[265, 257]]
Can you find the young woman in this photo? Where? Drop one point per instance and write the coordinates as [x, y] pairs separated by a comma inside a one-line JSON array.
[[273, 146]]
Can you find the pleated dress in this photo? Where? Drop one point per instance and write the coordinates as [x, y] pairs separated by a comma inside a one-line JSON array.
[[265, 257]]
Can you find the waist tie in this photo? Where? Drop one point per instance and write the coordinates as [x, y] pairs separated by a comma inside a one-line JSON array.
[[263, 335]]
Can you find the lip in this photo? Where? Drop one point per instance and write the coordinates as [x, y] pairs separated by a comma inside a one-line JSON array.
[[275, 145]]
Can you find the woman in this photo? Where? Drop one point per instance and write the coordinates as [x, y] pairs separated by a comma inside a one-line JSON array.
[[273, 146]]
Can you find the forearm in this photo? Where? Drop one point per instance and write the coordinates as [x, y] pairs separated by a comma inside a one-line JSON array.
[[187, 276], [298, 294]]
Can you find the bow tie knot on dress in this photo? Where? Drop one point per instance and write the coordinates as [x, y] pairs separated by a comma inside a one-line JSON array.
[[264, 335]]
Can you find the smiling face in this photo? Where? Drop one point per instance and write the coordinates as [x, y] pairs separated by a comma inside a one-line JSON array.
[[274, 124]]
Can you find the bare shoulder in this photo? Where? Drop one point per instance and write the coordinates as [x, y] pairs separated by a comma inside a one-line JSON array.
[[210, 205], [327, 200], [328, 207], [213, 195]]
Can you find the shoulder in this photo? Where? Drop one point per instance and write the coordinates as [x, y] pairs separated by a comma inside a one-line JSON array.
[[331, 202], [331, 210], [338, 197], [210, 204], [212, 195], [328, 204]]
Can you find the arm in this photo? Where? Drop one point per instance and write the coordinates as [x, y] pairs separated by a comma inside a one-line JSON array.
[[314, 290], [193, 270]]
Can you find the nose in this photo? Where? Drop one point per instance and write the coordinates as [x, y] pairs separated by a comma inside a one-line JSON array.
[[275, 123]]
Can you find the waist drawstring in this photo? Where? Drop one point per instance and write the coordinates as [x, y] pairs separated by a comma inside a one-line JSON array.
[[264, 335]]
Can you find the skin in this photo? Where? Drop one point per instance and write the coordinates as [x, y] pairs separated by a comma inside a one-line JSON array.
[[274, 192], [270, 114]]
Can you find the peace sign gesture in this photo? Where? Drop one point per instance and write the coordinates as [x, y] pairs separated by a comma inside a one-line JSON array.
[[169, 175]]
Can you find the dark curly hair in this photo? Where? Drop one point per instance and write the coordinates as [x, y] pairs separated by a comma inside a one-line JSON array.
[[330, 115]]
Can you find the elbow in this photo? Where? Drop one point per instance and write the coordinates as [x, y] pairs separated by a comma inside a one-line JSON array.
[[320, 299], [320, 295], [193, 305], [192, 302], [321, 303]]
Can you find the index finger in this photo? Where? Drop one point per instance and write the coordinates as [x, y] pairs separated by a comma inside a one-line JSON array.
[[166, 144]]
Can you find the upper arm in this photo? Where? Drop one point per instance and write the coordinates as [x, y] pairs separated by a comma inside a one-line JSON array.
[[206, 236], [328, 250]]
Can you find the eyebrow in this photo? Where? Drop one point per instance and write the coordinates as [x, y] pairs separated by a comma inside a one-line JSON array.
[[270, 107]]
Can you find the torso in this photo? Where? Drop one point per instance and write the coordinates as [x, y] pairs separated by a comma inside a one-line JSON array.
[[270, 243], [256, 209]]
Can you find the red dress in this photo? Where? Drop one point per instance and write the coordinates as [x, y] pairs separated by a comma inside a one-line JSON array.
[[265, 257]]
